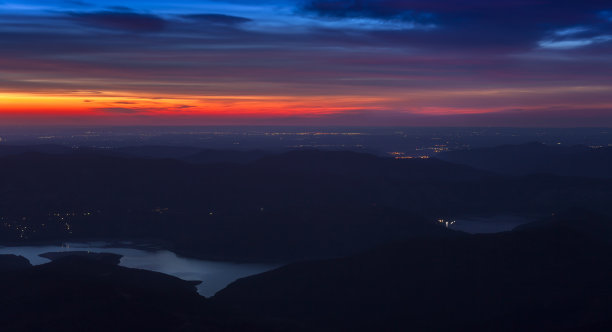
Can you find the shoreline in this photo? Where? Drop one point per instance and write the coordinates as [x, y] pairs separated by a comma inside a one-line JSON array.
[[149, 245]]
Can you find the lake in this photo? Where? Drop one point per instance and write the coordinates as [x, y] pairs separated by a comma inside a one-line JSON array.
[[214, 275]]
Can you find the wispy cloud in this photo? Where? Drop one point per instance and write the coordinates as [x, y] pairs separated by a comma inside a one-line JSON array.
[[120, 20], [277, 57], [566, 44]]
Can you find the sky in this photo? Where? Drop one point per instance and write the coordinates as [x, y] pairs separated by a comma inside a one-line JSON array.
[[540, 63]]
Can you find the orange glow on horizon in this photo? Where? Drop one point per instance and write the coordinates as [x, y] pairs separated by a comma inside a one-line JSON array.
[[108, 103], [392, 107]]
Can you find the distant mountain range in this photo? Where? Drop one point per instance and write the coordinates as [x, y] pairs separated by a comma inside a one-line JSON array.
[[183, 153], [534, 158], [263, 206], [361, 230]]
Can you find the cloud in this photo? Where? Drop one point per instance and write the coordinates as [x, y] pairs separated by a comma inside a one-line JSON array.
[[120, 20], [567, 44], [476, 23], [120, 9], [365, 8], [467, 10], [576, 37], [571, 31], [368, 15], [122, 110], [326, 56], [78, 3], [217, 19]]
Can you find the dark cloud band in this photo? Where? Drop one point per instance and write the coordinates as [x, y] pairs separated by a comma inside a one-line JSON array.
[[121, 20]]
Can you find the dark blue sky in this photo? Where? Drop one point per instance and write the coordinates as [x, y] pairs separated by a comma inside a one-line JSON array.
[[515, 63]]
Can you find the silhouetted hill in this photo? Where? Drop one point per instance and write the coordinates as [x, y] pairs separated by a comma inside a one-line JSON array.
[[157, 151], [78, 293], [348, 163], [183, 153], [537, 279], [295, 205], [579, 221], [551, 275], [237, 211], [9, 263], [7, 150], [224, 156], [534, 158]]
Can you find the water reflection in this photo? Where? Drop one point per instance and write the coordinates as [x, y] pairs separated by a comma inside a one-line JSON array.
[[214, 275]]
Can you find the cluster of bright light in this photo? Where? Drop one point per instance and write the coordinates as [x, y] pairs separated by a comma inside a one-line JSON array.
[[446, 223]]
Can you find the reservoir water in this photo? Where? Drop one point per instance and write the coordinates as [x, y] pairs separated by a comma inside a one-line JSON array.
[[214, 275]]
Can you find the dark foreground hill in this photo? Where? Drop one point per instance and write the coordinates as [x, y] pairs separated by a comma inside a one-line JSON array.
[[10, 263], [548, 277], [533, 158], [78, 293]]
